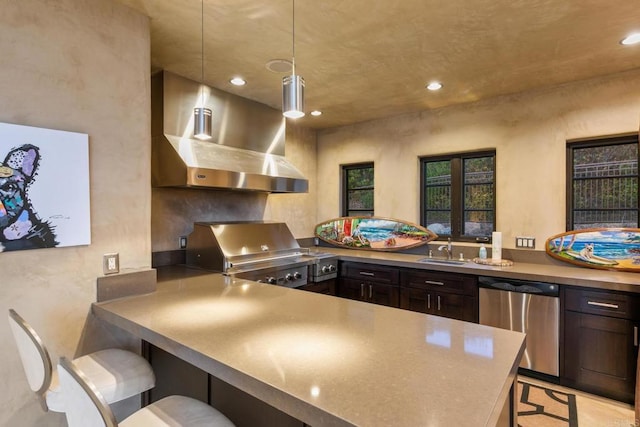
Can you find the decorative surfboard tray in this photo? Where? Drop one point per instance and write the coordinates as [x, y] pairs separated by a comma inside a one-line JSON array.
[[494, 262], [602, 248], [373, 233]]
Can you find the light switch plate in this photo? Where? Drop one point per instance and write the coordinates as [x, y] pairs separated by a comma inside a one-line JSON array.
[[526, 242], [110, 263]]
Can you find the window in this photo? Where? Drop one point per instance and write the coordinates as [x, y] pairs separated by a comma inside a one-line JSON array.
[[458, 195], [357, 182], [602, 183]]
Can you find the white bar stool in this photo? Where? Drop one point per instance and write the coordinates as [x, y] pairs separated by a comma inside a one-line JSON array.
[[87, 408], [116, 373]]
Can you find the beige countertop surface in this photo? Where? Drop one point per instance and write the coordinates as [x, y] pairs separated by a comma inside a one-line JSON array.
[[548, 270], [326, 360]]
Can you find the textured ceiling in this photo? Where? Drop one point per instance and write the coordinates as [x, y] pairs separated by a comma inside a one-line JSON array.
[[366, 59]]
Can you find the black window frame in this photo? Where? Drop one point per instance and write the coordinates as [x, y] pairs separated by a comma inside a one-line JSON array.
[[570, 179], [457, 192], [346, 190]]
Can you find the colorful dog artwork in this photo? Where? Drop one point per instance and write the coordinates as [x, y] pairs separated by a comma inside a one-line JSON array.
[[44, 188], [20, 226]]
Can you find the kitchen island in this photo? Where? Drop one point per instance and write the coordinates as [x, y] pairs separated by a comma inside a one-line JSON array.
[[325, 360]]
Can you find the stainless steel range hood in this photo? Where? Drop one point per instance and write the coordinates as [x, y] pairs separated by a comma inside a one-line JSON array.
[[245, 153]]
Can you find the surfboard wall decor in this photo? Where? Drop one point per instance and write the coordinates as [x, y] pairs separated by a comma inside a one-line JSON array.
[[603, 248], [374, 233]]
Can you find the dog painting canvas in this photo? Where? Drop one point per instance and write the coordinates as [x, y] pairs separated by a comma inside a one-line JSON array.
[[44, 188]]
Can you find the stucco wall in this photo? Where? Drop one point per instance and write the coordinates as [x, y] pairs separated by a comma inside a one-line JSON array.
[[81, 66], [529, 132]]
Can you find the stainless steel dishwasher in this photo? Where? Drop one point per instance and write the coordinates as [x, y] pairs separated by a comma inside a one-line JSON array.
[[529, 307]]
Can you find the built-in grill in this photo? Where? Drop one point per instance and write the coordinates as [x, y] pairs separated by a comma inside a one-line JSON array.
[[260, 251]]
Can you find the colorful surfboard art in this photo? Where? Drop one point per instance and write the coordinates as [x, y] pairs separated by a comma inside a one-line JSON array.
[[603, 248], [374, 233]]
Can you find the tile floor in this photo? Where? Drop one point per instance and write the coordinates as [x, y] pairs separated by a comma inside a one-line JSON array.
[[595, 411]]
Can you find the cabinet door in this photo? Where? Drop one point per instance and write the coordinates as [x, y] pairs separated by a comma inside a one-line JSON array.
[[382, 294], [456, 306], [418, 300], [600, 354], [352, 289]]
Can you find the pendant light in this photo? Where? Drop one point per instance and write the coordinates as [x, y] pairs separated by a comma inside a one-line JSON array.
[[293, 85], [202, 115]]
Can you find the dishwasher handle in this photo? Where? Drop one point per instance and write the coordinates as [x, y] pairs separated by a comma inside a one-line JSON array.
[[520, 286]]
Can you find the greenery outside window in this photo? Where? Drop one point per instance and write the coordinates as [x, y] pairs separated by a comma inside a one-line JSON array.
[[357, 182], [602, 183], [458, 195]]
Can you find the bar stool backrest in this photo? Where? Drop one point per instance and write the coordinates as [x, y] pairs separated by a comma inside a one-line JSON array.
[[35, 358], [85, 405]]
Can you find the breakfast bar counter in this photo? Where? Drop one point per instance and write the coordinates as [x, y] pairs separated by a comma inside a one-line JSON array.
[[324, 360]]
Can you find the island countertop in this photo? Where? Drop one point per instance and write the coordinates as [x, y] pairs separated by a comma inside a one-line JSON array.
[[327, 360]]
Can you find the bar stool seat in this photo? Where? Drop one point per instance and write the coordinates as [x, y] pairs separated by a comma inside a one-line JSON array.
[[116, 373], [87, 408]]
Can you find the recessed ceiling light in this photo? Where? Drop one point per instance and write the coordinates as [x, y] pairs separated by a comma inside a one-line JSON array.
[[631, 39], [238, 81], [434, 86], [316, 113]]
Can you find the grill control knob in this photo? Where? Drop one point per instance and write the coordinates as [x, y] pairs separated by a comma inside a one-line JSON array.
[[271, 280], [326, 269], [288, 277], [332, 268], [297, 275]]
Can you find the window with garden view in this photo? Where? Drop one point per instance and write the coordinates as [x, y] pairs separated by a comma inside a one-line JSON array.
[[602, 183], [458, 195], [357, 190]]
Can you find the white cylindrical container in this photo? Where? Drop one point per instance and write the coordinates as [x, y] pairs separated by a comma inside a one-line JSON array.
[[496, 246]]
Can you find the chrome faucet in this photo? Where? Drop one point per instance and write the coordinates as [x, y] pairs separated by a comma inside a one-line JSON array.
[[447, 248]]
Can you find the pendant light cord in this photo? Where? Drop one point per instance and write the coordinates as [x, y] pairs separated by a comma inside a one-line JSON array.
[[293, 36], [202, 51]]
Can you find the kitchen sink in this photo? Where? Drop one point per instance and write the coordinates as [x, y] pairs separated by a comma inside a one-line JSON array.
[[443, 261]]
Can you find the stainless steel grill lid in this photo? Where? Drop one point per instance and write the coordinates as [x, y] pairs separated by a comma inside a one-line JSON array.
[[237, 245]]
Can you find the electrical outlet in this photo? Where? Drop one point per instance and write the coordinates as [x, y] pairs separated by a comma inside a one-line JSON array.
[[182, 242], [110, 263]]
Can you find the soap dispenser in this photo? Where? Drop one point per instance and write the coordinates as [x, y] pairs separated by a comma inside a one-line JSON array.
[[482, 253]]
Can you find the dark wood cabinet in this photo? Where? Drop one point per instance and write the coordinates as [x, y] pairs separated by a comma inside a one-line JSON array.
[[601, 342], [443, 294], [369, 291], [371, 283], [327, 287]]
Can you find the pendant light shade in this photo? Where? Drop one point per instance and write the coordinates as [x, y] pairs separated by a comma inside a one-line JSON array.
[[293, 85], [293, 96], [202, 123], [202, 115]]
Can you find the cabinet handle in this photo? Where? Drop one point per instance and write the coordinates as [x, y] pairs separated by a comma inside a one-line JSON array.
[[366, 273], [635, 336], [429, 301], [370, 291], [432, 282], [361, 290], [438, 302], [603, 304]]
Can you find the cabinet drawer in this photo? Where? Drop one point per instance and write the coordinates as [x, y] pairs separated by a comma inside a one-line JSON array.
[[369, 272], [612, 304], [444, 282]]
